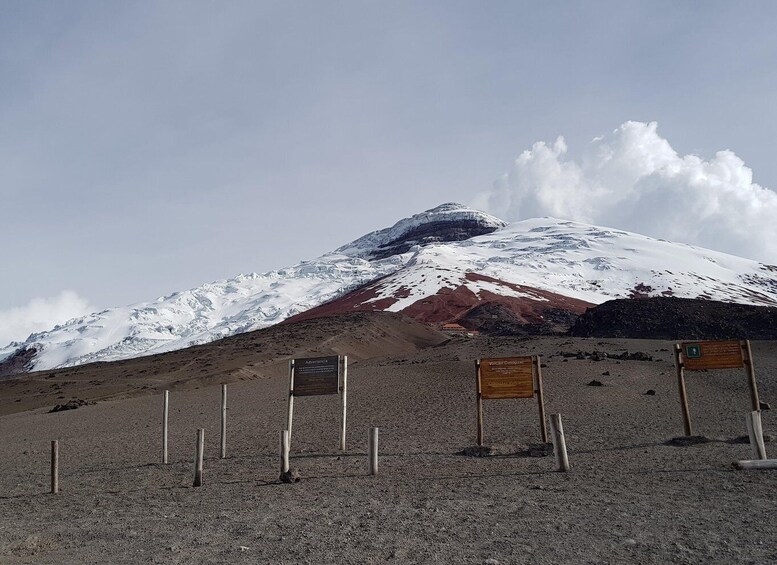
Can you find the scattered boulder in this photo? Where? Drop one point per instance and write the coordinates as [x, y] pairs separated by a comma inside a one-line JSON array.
[[70, 405], [595, 383]]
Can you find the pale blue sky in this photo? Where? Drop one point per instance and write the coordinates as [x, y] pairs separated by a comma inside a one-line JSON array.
[[148, 147]]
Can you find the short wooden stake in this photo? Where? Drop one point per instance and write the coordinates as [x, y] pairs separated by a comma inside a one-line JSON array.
[[373, 451], [198, 457], [165, 414], [755, 433], [756, 464], [344, 397], [683, 394], [54, 467], [559, 443], [223, 421], [284, 451]]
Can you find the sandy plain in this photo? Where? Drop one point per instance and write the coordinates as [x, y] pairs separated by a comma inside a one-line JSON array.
[[629, 497]]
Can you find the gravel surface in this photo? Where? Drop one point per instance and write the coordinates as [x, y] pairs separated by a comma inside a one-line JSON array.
[[630, 497]]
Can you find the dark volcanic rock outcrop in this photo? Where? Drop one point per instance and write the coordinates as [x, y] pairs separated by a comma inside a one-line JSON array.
[[434, 232], [677, 318], [19, 362]]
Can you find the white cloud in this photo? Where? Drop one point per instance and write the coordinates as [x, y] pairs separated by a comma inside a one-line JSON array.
[[633, 179], [40, 314]]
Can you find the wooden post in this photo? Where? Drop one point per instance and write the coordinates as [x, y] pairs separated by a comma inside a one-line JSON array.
[[751, 374], [681, 387], [198, 457], [757, 464], [223, 421], [479, 402], [373, 451], [343, 396], [559, 443], [165, 413], [290, 406], [540, 399], [755, 433], [55, 467], [284, 451]]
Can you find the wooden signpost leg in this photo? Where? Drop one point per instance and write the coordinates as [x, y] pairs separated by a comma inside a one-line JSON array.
[[541, 400], [290, 406], [751, 375], [344, 398], [683, 394], [223, 421], [479, 403]]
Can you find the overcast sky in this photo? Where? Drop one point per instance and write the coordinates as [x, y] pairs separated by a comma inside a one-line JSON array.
[[149, 147]]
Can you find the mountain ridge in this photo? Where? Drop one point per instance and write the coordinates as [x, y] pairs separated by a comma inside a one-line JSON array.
[[452, 257]]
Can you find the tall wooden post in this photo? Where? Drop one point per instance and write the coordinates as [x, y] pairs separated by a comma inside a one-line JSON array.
[[541, 399], [344, 398], [290, 405], [681, 387], [748, 355], [223, 421], [165, 414], [479, 402], [55, 467], [373, 451], [198, 457]]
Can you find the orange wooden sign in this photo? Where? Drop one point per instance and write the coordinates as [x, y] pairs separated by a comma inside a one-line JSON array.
[[507, 377], [702, 355]]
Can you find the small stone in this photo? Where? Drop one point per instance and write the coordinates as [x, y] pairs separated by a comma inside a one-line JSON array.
[[291, 476], [595, 383], [606, 374], [491, 561], [650, 392], [630, 541], [244, 548]]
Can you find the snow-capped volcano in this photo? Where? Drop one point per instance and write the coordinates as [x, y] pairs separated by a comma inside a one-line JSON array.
[[434, 266]]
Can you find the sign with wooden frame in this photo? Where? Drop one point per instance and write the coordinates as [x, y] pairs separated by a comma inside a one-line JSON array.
[[509, 377], [318, 376], [706, 355]]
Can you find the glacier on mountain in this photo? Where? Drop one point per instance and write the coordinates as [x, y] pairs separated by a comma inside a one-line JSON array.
[[415, 258]]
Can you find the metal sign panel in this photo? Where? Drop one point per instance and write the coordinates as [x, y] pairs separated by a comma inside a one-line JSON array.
[[507, 377], [316, 376], [701, 355]]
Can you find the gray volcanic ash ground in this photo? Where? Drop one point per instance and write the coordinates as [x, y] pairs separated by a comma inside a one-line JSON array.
[[629, 498]]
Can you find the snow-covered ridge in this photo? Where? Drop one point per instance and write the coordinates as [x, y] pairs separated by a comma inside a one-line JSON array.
[[571, 259]]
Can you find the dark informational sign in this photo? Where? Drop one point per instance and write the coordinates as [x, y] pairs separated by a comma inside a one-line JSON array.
[[316, 376], [507, 377], [702, 355]]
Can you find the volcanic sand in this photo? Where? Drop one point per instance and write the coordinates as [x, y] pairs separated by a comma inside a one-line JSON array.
[[629, 497]]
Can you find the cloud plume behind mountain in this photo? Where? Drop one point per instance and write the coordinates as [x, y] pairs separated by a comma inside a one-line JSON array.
[[633, 179]]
